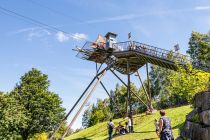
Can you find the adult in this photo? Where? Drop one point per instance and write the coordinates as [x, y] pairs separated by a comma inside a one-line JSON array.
[[110, 126], [126, 127], [129, 124], [165, 131]]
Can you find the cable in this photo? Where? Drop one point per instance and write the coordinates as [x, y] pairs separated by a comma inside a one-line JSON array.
[[38, 23], [54, 11]]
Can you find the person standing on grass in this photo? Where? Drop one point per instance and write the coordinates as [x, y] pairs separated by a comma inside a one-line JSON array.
[[110, 126], [129, 124], [165, 131]]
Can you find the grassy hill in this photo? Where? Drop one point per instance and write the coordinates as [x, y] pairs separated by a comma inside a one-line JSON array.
[[143, 126]]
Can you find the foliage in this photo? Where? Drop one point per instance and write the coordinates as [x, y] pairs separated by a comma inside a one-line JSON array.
[[158, 82], [12, 116], [199, 47], [42, 107], [86, 118], [99, 112], [105, 109], [186, 82], [195, 118], [61, 131], [171, 88], [120, 98], [40, 136]]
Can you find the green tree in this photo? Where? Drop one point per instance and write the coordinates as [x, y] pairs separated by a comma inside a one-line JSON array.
[[186, 82], [42, 107], [159, 81], [199, 47], [12, 116], [99, 112], [120, 98], [86, 118]]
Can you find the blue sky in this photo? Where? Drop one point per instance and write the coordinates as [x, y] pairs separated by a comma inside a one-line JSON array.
[[24, 45]]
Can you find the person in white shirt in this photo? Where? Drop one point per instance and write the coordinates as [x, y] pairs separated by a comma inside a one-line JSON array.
[[129, 124], [110, 126]]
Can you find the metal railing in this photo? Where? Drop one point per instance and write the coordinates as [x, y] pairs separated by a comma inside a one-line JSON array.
[[151, 51], [90, 47]]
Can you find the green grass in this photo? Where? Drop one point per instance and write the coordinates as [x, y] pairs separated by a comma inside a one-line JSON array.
[[143, 126]]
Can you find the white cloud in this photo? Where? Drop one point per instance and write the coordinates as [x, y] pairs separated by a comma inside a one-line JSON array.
[[115, 18], [202, 8], [32, 32], [38, 32], [62, 37]]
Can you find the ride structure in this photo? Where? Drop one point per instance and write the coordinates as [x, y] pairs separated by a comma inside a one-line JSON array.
[[126, 58]]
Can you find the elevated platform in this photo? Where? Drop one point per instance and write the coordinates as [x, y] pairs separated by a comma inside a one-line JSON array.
[[137, 54]]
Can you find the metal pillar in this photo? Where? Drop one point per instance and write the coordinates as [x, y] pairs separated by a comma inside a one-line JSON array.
[[110, 96], [148, 88], [97, 70], [129, 95], [142, 84], [65, 118], [83, 104], [130, 90]]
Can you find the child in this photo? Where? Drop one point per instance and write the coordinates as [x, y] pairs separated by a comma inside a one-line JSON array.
[[157, 127]]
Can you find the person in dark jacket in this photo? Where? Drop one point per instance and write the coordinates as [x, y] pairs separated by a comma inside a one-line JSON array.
[[165, 131]]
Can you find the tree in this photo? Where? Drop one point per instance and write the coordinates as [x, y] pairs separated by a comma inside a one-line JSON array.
[[42, 107], [99, 112], [159, 81], [186, 82], [199, 47], [86, 118], [120, 98], [11, 117]]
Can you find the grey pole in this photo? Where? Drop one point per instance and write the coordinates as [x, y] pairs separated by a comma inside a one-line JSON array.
[[65, 118], [131, 90], [83, 104]]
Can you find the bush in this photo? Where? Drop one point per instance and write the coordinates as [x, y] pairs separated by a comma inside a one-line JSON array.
[[40, 136]]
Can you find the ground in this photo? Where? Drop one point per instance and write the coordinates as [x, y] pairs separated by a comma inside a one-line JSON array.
[[143, 126]]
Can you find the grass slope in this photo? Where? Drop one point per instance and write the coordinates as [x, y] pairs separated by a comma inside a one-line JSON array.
[[143, 126]]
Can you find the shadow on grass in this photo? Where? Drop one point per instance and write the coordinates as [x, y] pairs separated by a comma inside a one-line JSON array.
[[149, 139], [84, 138], [116, 136], [143, 131]]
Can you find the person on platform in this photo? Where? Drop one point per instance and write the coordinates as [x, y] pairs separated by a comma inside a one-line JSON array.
[[165, 131]]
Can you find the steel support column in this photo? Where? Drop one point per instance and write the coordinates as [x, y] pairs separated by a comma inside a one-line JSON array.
[[127, 86], [129, 95], [67, 115], [142, 84], [148, 88], [83, 104], [109, 96]]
